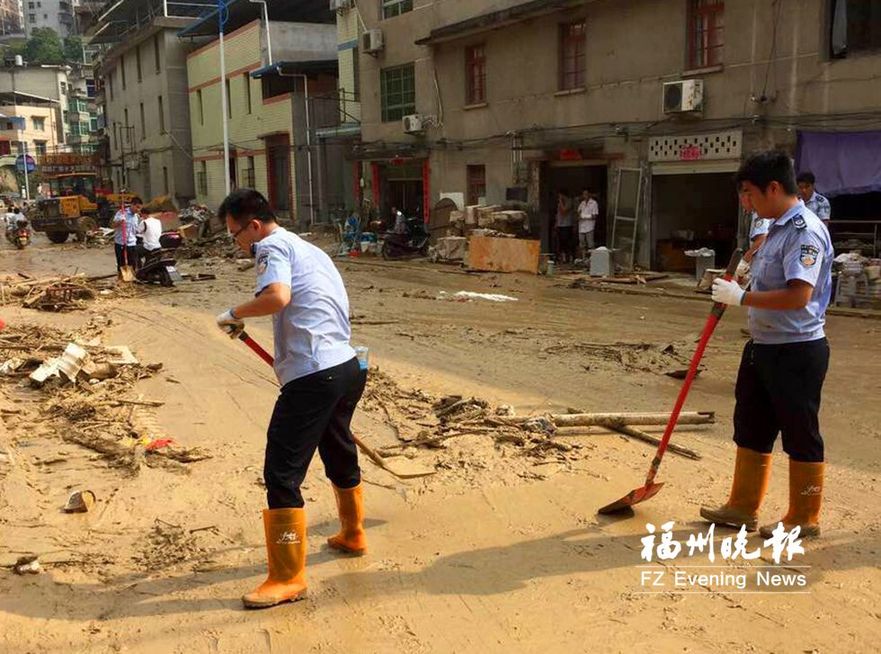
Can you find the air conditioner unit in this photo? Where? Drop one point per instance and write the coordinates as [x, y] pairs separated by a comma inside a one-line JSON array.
[[683, 96], [371, 41], [339, 5], [413, 124]]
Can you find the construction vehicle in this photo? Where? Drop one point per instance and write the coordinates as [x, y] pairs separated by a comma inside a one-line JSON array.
[[75, 205]]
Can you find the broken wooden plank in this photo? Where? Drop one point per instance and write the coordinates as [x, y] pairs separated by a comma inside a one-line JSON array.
[[648, 438]]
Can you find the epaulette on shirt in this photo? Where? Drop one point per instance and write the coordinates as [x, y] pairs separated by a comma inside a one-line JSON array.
[[799, 222]]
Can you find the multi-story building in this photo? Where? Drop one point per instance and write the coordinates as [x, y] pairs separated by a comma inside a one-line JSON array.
[[145, 98], [82, 111], [652, 104], [43, 81], [277, 98], [10, 19], [54, 14]]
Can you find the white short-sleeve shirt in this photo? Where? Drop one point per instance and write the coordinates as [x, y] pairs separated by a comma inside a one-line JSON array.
[[312, 333]]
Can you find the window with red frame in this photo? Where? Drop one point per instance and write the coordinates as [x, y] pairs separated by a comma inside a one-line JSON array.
[[572, 55], [476, 184], [705, 33], [475, 74]]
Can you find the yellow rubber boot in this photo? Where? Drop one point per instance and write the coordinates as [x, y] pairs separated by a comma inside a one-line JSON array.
[[805, 499], [286, 554], [350, 506], [752, 472]]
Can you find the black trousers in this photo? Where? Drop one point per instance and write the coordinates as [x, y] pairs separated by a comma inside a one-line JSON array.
[[778, 391], [132, 255], [566, 242], [313, 412]]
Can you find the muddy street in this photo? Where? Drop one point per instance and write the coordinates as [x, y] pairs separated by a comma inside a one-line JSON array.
[[496, 546]]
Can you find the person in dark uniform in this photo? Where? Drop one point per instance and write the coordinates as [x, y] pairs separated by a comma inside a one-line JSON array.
[[781, 374]]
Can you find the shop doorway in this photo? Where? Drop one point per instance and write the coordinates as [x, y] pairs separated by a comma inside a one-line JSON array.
[[691, 211], [574, 177], [402, 188], [279, 172]]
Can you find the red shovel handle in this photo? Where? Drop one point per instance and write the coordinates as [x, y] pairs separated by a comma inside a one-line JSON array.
[[712, 321], [259, 351]]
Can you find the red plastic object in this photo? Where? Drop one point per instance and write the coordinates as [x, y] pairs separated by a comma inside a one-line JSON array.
[[159, 443]]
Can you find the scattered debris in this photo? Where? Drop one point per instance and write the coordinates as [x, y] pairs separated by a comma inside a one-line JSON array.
[[465, 296], [27, 565], [639, 356], [80, 502]]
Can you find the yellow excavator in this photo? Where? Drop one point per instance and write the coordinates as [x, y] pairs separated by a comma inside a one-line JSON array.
[[76, 207]]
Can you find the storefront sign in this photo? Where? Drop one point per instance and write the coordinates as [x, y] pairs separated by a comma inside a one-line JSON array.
[[690, 153]]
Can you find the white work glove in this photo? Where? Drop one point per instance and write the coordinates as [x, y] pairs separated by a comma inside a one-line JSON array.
[[742, 269], [230, 324], [727, 292]]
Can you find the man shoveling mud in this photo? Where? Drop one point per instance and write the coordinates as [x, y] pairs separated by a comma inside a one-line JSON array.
[[298, 285], [784, 363]]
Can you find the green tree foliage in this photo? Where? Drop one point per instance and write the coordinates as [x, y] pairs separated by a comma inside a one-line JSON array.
[[44, 47]]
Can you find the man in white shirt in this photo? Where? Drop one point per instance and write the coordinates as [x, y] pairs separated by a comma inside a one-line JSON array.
[[150, 230], [588, 211], [322, 382]]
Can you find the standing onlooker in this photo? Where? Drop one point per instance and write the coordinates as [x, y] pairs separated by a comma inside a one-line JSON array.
[[564, 223], [588, 211], [125, 222], [813, 200]]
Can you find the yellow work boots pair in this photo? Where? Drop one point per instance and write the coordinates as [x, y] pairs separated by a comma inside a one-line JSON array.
[[752, 472], [285, 531]]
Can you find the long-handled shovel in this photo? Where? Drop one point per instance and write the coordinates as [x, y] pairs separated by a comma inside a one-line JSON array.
[[367, 450], [650, 488]]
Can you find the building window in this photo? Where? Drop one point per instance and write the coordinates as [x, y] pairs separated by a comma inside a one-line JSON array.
[[248, 179], [246, 82], [5, 148], [398, 89], [855, 27], [476, 183], [165, 180], [705, 33], [39, 124], [32, 18], [143, 123], [475, 74], [125, 126], [156, 53], [110, 82], [116, 135], [40, 147], [202, 179], [200, 107], [228, 99], [138, 63], [93, 124], [122, 69], [572, 55], [356, 72], [161, 116], [392, 8]]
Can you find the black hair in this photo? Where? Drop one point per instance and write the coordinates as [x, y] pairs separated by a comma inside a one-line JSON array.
[[145, 211], [136, 200], [807, 177], [765, 167], [246, 204]]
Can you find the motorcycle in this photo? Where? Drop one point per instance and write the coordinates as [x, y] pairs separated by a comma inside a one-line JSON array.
[[19, 235], [412, 243], [159, 267]]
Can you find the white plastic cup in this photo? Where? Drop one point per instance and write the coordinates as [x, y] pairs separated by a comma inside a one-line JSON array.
[[363, 355]]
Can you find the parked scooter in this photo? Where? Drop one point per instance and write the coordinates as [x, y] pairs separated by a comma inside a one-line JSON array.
[[413, 243], [159, 267]]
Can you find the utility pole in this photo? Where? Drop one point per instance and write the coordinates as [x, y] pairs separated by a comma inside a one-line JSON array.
[[222, 17]]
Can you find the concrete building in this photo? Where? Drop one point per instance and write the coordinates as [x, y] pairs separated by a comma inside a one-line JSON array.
[[28, 122], [650, 103], [44, 81], [11, 19], [145, 97], [82, 111], [54, 14], [278, 98]]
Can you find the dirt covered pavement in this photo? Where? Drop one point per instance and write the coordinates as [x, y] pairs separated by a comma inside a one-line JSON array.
[[499, 549]]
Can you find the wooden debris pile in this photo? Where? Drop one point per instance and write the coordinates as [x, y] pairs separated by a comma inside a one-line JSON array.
[[82, 390], [64, 293]]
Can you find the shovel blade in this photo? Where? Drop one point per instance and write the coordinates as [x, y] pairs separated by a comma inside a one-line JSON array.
[[635, 496], [127, 274]]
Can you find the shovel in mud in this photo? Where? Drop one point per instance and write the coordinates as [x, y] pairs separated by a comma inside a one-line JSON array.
[[650, 488], [402, 470], [126, 272]]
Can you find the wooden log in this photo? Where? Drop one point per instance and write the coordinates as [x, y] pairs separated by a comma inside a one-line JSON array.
[[648, 438], [613, 419]]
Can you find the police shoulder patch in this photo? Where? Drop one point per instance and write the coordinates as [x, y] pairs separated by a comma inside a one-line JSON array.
[[808, 255], [262, 262], [799, 222]]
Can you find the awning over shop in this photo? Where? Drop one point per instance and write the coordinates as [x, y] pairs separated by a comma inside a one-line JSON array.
[[844, 163], [287, 68]]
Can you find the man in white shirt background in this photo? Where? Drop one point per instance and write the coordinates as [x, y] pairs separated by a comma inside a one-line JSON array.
[[588, 211], [150, 230]]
